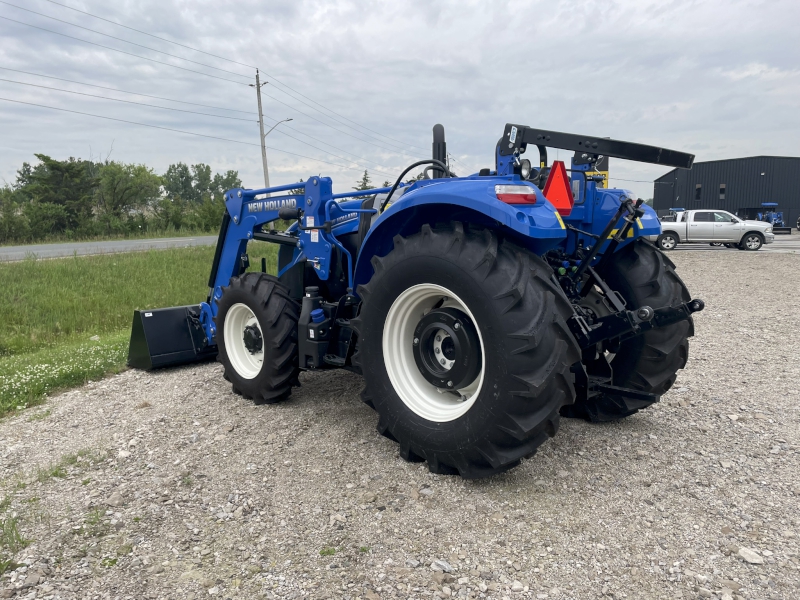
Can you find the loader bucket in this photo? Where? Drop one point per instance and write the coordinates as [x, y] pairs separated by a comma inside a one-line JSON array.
[[164, 337]]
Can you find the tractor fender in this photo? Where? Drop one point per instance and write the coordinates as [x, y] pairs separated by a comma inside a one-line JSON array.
[[537, 227]]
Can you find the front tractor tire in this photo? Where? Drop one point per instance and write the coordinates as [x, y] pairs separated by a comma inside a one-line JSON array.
[[465, 351], [643, 276], [257, 337]]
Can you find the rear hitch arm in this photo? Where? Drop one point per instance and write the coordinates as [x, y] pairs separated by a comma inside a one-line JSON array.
[[630, 323]]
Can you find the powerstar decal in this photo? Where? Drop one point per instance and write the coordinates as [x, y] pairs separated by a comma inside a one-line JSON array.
[[262, 205]]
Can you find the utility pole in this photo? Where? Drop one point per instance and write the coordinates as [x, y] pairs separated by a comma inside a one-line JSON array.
[[261, 129]]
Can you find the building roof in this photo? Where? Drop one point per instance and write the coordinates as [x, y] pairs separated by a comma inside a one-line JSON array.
[[727, 160]]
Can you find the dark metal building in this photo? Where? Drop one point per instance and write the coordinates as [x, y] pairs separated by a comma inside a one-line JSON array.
[[733, 184]]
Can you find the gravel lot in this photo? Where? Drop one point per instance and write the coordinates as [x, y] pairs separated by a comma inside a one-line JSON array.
[[167, 485]]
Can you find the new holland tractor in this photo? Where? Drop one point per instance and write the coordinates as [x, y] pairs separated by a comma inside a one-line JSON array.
[[479, 309]]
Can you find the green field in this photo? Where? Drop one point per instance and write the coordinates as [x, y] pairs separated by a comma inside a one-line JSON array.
[[53, 308]]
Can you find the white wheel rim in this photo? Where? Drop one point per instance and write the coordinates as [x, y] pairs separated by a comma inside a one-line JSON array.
[[668, 243], [753, 242], [416, 392], [245, 363]]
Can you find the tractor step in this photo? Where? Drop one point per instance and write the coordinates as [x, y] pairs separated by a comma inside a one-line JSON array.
[[782, 230]]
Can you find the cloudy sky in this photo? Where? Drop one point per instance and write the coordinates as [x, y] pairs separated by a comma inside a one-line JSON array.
[[365, 81]]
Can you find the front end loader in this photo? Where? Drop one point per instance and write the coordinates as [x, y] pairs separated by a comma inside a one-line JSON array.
[[478, 309]]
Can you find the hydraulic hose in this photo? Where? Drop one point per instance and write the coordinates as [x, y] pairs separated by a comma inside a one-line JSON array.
[[430, 161]]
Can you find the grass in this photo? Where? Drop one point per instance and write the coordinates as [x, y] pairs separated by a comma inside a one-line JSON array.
[[327, 551], [58, 470], [11, 541], [52, 309]]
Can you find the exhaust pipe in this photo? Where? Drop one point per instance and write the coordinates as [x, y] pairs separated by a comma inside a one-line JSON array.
[[439, 150]]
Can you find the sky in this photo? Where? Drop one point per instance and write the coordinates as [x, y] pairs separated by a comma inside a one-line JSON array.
[[364, 82]]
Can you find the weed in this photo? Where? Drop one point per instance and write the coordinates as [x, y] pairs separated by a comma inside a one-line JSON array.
[[39, 416], [20, 485], [187, 481], [327, 551], [94, 523], [108, 562], [95, 517], [57, 470], [86, 481], [137, 519], [363, 549], [10, 537], [5, 503], [33, 500]]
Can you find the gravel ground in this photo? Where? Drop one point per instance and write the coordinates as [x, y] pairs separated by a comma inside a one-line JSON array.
[[166, 485]]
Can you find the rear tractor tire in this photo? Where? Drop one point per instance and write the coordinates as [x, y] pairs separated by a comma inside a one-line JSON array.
[[257, 337], [644, 276], [464, 349]]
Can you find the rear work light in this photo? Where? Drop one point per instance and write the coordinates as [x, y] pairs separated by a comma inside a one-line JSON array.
[[515, 194]]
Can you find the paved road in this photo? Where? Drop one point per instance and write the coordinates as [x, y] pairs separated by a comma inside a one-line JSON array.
[[13, 253], [783, 244]]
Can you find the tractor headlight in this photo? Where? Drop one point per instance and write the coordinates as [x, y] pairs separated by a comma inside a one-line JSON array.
[[525, 169]]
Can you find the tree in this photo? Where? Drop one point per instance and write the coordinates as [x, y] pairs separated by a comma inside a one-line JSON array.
[[14, 225], [122, 190], [67, 185], [178, 183], [222, 183], [420, 176], [365, 183]]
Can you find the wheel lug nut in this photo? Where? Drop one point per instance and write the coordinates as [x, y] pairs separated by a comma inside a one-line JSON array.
[[416, 341], [457, 325], [436, 350], [438, 338], [443, 361], [449, 384]]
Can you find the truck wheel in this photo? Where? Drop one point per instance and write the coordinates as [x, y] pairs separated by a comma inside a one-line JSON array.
[[257, 337], [667, 241], [752, 242], [649, 362], [464, 349]]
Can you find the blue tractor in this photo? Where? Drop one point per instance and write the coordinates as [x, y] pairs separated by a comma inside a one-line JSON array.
[[479, 309]]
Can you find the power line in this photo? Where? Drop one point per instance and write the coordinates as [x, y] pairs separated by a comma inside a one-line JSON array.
[[182, 102], [44, 87], [337, 129], [183, 111], [199, 73], [275, 79], [122, 40], [213, 137], [102, 87], [122, 51]]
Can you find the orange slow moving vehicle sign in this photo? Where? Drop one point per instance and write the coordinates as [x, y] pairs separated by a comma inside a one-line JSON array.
[[557, 189]]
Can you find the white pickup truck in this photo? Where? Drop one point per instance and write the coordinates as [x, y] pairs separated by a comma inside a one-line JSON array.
[[712, 227]]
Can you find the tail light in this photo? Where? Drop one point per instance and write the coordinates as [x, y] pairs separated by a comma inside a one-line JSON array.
[[515, 194]]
